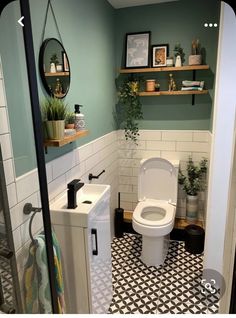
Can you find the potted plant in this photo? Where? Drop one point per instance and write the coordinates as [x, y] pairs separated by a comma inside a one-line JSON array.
[[70, 120], [179, 55], [192, 185], [54, 113], [128, 99], [195, 58]]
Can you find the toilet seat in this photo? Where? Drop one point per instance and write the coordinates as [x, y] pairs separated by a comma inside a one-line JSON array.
[[167, 209]]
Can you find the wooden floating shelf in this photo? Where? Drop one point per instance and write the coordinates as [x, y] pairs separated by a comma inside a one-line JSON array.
[[57, 74], [165, 93], [66, 140], [164, 69], [182, 223]]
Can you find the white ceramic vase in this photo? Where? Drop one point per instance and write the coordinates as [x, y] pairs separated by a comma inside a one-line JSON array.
[[53, 68], [178, 62], [55, 129]]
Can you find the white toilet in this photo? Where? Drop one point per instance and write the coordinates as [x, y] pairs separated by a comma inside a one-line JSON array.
[[154, 215]]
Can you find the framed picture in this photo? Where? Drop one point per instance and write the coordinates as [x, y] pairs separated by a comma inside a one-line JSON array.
[[137, 49], [65, 62], [159, 55]]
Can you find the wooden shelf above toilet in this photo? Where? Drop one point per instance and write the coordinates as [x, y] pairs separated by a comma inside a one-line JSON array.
[[164, 69]]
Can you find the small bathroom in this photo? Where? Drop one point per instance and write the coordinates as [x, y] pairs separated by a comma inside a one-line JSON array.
[[117, 161]]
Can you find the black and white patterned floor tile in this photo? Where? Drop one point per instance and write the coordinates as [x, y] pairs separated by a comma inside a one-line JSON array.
[[174, 287]]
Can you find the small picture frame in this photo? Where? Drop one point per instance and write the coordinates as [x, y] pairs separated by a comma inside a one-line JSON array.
[[159, 54], [137, 49], [66, 67]]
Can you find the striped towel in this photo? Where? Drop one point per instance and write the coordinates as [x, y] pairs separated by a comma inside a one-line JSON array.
[[36, 281]]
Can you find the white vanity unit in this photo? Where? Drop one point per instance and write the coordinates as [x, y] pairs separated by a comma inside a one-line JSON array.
[[85, 240]]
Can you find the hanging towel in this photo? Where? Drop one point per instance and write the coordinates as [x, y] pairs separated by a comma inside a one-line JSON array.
[[36, 280], [58, 274]]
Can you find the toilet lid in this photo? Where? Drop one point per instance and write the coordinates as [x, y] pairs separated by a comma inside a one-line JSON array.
[[158, 180]]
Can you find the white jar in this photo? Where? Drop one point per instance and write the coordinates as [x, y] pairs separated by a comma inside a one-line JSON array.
[[169, 61], [178, 62], [52, 68]]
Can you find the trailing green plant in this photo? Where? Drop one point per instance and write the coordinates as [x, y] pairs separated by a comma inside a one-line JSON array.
[[70, 118], [195, 178], [179, 51], [128, 97], [53, 109], [54, 59]]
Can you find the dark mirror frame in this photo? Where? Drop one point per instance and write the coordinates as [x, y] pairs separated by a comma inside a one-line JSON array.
[[41, 67]]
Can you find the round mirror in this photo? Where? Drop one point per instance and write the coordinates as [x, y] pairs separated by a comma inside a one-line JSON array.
[[54, 68]]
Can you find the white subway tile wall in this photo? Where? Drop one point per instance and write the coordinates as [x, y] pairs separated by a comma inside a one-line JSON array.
[[171, 145]]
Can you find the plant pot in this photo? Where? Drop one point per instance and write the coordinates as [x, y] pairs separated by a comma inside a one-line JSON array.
[[194, 60], [53, 68], [192, 208], [55, 129], [178, 62], [70, 126]]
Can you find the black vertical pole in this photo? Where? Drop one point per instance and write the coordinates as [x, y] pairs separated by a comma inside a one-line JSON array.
[[38, 136]]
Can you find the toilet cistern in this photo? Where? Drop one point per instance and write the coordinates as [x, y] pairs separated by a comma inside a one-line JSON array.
[[73, 188]]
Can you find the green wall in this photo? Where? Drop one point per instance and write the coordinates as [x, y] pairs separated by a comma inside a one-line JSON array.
[[93, 34], [17, 90], [173, 22], [87, 31]]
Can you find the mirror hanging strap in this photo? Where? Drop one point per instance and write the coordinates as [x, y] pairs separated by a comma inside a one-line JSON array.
[[55, 21]]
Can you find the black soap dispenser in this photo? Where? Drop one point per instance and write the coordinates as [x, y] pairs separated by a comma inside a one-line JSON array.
[[79, 118]]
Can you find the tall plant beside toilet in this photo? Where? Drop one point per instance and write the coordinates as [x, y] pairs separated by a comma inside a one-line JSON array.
[[193, 183]]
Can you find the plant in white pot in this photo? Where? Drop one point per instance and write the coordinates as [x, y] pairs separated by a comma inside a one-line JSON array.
[[54, 113], [195, 58], [192, 186]]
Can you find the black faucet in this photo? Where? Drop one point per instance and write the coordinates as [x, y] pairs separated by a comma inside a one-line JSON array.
[[73, 187], [91, 176]]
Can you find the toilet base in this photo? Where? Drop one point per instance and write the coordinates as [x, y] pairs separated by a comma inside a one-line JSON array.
[[154, 250]]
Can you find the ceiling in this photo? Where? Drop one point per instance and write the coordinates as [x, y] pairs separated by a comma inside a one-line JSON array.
[[117, 4]]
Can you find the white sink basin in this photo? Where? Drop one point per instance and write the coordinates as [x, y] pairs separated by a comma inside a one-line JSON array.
[[90, 193], [87, 199]]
